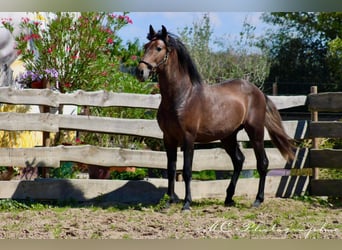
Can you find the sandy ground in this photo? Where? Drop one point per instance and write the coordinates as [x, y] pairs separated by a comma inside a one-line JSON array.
[[275, 219]]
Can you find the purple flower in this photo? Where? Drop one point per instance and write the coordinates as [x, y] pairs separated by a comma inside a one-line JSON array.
[[53, 73], [29, 76]]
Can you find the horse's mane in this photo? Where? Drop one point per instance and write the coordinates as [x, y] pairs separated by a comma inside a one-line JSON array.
[[184, 59]]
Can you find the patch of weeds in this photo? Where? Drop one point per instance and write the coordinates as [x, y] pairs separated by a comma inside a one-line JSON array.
[[207, 202], [57, 231], [10, 205], [231, 216], [163, 203], [335, 202], [126, 236], [313, 200], [251, 216], [276, 221], [96, 235]]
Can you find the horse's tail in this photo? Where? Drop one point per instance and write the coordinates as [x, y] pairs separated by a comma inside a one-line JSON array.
[[276, 131]]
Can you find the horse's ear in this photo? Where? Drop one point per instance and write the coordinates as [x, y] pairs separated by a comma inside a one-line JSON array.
[[151, 34], [164, 33]]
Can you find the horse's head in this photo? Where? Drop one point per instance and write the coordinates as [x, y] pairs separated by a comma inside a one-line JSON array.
[[156, 53]]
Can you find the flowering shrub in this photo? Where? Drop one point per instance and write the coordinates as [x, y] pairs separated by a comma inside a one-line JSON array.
[[71, 50], [82, 51]]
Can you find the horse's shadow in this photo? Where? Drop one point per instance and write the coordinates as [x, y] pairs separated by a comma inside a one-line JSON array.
[[63, 191], [132, 193]]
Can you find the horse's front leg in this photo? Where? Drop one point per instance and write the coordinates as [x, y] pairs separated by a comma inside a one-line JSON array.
[[188, 155], [171, 153]]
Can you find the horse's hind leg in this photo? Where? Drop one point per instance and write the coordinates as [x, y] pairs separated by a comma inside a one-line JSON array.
[[256, 136], [232, 148]]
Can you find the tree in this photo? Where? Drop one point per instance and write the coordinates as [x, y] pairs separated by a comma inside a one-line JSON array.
[[234, 59], [302, 48]]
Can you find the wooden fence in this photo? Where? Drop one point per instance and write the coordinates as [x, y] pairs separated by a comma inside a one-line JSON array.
[[325, 158], [279, 182]]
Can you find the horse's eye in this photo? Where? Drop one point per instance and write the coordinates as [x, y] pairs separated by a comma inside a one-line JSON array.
[[158, 49]]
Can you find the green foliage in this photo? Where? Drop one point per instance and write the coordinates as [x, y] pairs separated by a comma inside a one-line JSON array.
[[238, 59], [163, 203], [11, 205], [138, 174], [204, 175], [197, 38], [312, 200], [65, 171], [303, 41]]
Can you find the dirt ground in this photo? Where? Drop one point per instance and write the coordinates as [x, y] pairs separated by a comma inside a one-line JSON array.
[[275, 219]]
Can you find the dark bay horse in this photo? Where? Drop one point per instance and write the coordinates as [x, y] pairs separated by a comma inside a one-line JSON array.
[[192, 111]]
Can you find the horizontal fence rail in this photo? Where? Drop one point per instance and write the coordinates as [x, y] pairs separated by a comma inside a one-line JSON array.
[[80, 98], [330, 102], [107, 99], [204, 159], [140, 127]]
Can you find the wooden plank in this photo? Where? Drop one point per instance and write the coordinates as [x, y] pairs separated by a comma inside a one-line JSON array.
[[30, 122], [144, 191], [329, 102], [325, 158], [326, 188], [329, 129], [140, 127], [284, 102], [53, 123], [79, 97], [106, 99], [208, 159]]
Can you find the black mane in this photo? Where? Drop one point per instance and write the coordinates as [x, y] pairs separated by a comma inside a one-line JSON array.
[[184, 59]]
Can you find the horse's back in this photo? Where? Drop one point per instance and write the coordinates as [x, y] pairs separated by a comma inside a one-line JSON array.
[[239, 85]]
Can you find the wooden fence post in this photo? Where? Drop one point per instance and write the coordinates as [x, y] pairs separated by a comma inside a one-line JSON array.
[[275, 87], [314, 118], [46, 135]]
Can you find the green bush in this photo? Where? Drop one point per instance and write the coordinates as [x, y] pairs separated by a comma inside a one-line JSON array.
[[138, 174], [65, 171]]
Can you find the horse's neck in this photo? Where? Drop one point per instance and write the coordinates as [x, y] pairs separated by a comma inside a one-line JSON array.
[[174, 85]]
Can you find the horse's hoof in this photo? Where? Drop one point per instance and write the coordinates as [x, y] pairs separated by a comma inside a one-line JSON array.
[[186, 207], [229, 203], [257, 203], [186, 210]]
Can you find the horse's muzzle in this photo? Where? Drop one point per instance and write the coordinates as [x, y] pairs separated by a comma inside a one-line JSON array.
[[143, 72]]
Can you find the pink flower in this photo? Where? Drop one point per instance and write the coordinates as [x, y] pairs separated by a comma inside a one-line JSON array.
[[67, 85], [35, 36], [125, 18], [110, 40], [25, 19], [134, 57], [27, 38]]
